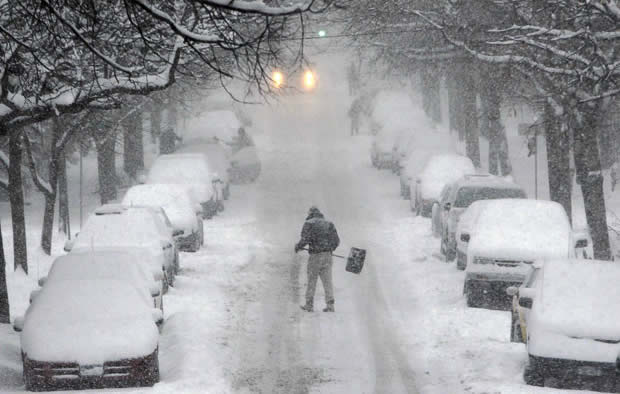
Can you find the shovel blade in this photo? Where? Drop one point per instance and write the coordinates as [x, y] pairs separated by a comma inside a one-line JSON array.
[[355, 261]]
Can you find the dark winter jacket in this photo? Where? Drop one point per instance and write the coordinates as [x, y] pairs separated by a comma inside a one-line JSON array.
[[319, 234]]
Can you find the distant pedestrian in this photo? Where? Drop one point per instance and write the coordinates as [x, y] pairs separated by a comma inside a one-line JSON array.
[[355, 112], [168, 141], [322, 239]]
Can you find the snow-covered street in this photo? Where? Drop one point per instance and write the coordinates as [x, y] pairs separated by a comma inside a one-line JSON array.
[[233, 323]]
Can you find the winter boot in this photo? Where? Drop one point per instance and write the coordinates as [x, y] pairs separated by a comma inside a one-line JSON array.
[[307, 307], [329, 307]]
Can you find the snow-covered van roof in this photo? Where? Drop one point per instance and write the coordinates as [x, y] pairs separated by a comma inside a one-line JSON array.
[[88, 322], [521, 229]]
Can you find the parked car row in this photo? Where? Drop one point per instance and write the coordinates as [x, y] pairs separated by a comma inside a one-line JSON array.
[[519, 255], [94, 320]]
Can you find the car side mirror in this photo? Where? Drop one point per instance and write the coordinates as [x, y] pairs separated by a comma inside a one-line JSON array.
[[158, 316], [69, 245], [447, 206], [581, 243], [465, 237], [526, 302], [512, 290], [176, 233], [18, 324], [42, 281]]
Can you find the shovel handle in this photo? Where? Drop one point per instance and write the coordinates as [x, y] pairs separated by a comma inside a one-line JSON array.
[[335, 255]]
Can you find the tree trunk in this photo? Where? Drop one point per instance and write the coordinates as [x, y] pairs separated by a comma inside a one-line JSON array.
[[106, 168], [155, 120], [589, 176], [469, 112], [431, 93], [491, 99], [558, 159], [16, 196], [63, 196], [50, 195], [5, 316], [453, 104], [133, 149]]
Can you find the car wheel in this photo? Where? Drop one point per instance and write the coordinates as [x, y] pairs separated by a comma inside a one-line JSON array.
[[515, 329], [150, 375], [30, 382], [450, 253], [532, 376]]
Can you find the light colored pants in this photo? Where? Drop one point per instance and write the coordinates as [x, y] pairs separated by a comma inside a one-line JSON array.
[[320, 264]]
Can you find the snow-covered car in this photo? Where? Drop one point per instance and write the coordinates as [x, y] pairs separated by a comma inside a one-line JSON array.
[[458, 195], [508, 236], [426, 145], [107, 264], [218, 157], [178, 206], [245, 166], [89, 333], [522, 304], [128, 228], [439, 170], [382, 148], [573, 330], [191, 169], [403, 145], [463, 229]]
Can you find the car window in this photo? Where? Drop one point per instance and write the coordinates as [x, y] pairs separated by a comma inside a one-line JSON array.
[[467, 195]]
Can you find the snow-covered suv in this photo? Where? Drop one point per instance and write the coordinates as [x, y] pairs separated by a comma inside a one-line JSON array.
[[458, 195], [573, 330], [508, 236]]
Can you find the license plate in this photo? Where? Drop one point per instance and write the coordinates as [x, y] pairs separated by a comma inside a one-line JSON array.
[[590, 371], [91, 370]]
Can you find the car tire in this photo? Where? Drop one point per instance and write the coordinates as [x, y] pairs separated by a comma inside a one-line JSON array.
[[450, 254], [515, 329], [151, 373], [532, 376], [30, 382]]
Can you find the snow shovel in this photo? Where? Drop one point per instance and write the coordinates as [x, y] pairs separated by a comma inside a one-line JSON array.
[[355, 260]]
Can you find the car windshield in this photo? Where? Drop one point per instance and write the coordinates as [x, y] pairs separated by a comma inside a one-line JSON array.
[[467, 195]]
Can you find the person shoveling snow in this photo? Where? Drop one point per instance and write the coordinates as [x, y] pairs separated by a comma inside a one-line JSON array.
[[322, 239]]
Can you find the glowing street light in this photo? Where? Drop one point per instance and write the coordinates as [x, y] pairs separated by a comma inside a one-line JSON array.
[[309, 80], [322, 33], [278, 78]]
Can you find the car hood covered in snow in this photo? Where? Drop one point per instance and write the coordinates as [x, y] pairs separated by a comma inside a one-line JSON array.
[[520, 229], [580, 298], [88, 322]]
